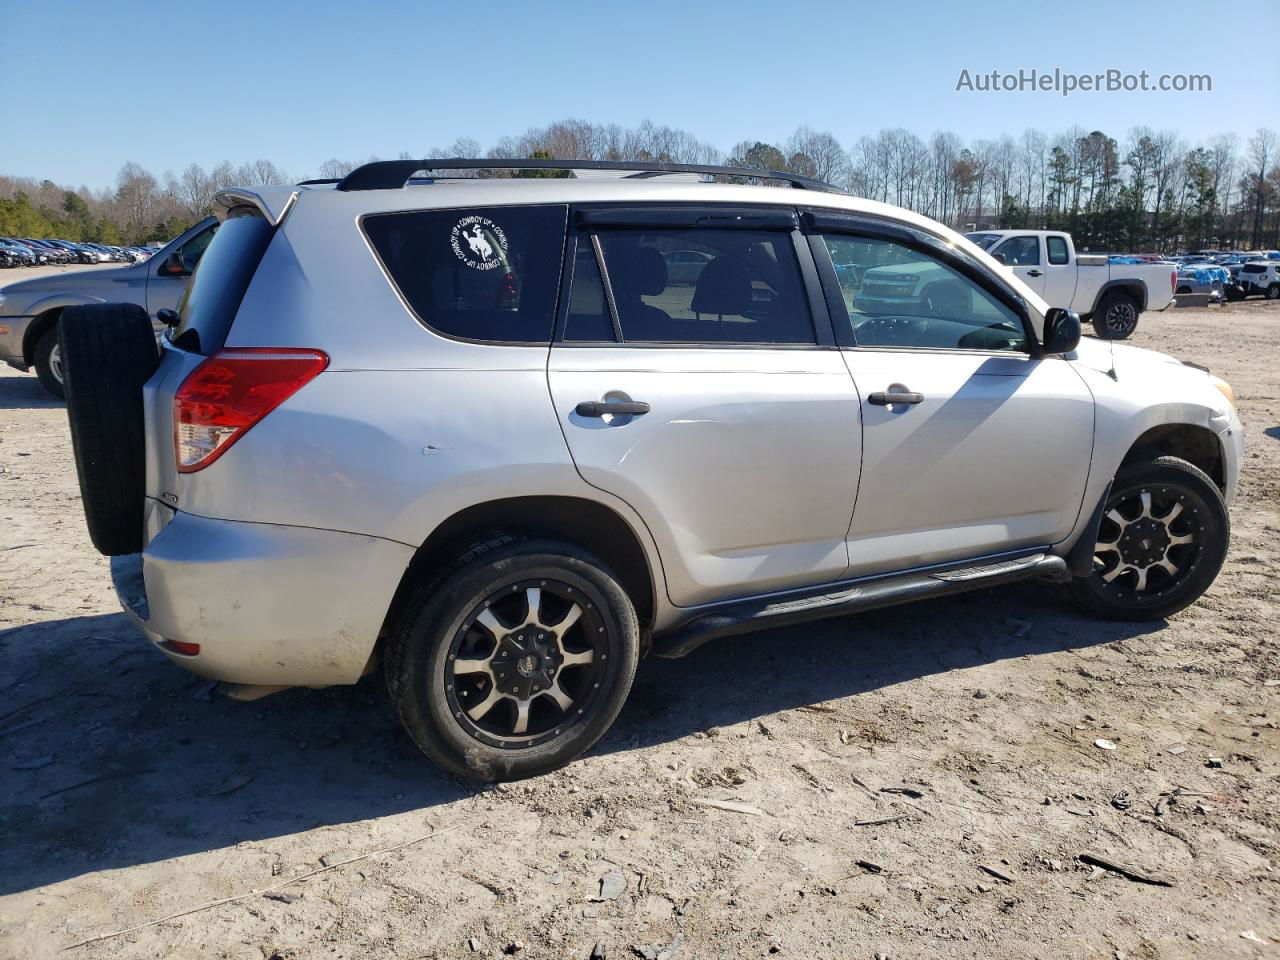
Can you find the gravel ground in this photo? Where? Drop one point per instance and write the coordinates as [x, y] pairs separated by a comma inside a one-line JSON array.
[[921, 781]]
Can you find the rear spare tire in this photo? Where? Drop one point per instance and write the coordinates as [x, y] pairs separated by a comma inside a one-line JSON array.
[[108, 353]]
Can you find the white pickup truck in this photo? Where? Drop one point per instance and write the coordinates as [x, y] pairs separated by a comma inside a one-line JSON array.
[[1112, 296]]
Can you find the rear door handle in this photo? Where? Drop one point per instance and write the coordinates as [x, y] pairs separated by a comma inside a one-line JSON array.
[[600, 408], [896, 393], [1035, 273]]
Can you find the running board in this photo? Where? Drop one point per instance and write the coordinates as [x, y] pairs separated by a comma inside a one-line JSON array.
[[747, 616]]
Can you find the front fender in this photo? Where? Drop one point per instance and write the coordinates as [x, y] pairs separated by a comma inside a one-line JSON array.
[[1165, 394]]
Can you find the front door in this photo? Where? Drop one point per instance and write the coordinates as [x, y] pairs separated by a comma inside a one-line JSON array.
[[169, 271], [971, 445], [708, 404], [1022, 254]]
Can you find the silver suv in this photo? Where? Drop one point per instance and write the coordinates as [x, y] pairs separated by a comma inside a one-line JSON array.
[[473, 431]]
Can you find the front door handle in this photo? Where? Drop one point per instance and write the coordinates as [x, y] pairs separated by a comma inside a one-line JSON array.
[[896, 393], [1035, 273], [600, 408]]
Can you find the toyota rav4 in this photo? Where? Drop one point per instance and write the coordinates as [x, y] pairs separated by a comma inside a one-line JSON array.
[[482, 435]]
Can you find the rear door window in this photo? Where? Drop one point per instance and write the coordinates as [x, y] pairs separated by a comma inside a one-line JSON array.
[[482, 273], [699, 285], [1057, 249]]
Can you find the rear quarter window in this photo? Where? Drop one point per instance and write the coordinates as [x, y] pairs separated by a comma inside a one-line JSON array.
[[483, 273]]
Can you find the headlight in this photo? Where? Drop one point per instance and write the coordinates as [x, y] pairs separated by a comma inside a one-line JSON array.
[[1224, 388]]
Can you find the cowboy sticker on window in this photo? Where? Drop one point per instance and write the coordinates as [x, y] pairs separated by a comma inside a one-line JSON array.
[[479, 243]]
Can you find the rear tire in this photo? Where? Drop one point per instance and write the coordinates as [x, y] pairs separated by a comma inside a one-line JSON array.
[[48, 362], [108, 353], [1116, 317], [1164, 537], [475, 664], [1273, 291]]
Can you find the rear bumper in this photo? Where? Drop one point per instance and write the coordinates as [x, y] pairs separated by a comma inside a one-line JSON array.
[[267, 604], [12, 332]]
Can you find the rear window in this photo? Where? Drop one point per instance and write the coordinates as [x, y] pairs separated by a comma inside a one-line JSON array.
[[227, 262], [984, 240], [481, 273], [1254, 268]]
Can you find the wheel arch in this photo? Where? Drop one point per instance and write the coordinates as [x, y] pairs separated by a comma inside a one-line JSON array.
[[44, 314], [1133, 288], [586, 523], [1197, 445]]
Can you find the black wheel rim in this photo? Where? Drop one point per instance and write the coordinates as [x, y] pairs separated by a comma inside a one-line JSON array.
[[529, 663], [1150, 542], [1120, 318]]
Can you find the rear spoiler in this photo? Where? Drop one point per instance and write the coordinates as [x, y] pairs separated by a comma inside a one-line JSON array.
[[272, 202]]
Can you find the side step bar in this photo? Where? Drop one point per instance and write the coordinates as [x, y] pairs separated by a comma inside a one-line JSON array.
[[750, 615]]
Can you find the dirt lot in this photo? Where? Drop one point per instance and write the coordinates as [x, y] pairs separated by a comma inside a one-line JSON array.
[[966, 727]]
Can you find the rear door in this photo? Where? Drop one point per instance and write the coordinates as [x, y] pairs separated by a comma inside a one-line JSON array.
[[972, 445], [716, 405], [170, 270]]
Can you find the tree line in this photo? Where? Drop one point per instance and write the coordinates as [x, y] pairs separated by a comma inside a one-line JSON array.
[[1149, 191]]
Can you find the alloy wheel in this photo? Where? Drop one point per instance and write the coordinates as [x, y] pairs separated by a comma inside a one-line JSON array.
[[55, 362], [1149, 542], [527, 663], [1121, 317]]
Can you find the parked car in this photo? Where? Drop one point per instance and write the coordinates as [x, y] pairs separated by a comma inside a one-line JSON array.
[[13, 254], [41, 255], [685, 266], [75, 252], [29, 309], [343, 459], [1258, 278], [1204, 278], [1111, 296]]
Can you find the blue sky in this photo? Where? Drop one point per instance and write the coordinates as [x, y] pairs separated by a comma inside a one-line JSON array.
[[166, 83]]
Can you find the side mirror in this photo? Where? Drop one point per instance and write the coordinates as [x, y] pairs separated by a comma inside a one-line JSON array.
[[168, 317], [999, 258], [175, 266], [1061, 331]]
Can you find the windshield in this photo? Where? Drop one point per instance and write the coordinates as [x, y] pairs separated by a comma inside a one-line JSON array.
[[984, 240]]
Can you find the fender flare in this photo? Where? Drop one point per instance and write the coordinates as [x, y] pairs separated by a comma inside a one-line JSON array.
[[1133, 286]]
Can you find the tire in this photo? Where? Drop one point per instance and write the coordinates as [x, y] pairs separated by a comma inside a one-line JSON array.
[[1273, 292], [48, 362], [1116, 317], [442, 628], [1183, 502], [109, 352]]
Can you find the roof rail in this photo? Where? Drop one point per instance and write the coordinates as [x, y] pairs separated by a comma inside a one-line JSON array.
[[394, 174]]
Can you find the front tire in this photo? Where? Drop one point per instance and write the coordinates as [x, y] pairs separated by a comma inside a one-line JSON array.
[[515, 660], [1116, 317], [48, 363], [1163, 539]]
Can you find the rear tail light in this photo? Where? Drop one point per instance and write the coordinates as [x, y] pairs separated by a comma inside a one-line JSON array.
[[1173, 281], [230, 392]]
